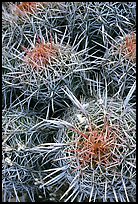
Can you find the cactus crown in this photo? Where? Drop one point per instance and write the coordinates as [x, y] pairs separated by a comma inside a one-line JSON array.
[[26, 8], [128, 48], [41, 54]]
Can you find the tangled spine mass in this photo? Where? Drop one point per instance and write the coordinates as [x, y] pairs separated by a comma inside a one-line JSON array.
[[94, 153]]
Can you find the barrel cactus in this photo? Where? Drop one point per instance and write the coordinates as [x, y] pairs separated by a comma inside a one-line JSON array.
[[95, 154], [22, 160], [119, 63], [69, 101]]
